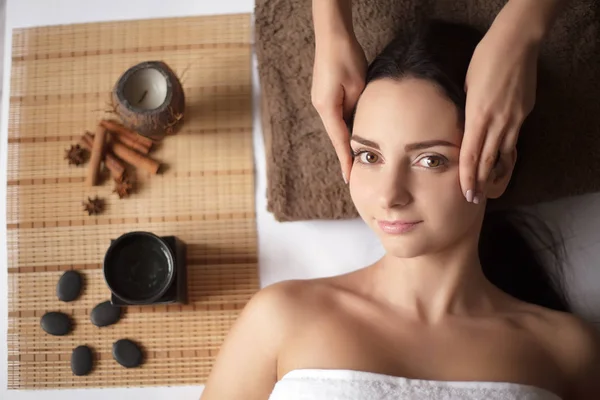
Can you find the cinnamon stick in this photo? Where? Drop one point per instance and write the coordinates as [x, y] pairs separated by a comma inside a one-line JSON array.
[[85, 141], [116, 168], [89, 136], [126, 140], [96, 156], [130, 138], [137, 146], [134, 158]]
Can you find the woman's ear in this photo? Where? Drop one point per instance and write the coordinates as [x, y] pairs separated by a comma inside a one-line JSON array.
[[501, 174]]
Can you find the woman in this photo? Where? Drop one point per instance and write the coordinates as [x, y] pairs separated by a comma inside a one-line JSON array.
[[444, 314]]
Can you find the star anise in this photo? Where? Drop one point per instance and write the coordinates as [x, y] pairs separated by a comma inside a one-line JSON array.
[[76, 155], [93, 206], [123, 188]]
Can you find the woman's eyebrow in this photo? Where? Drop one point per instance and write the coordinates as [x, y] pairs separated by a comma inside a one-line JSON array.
[[427, 144], [364, 141], [409, 147]]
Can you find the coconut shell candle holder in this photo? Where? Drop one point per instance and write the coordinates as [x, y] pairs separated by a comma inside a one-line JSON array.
[[141, 268], [149, 99]]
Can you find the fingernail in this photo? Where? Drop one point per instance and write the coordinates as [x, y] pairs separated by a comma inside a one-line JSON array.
[[476, 199], [469, 195], [344, 177]]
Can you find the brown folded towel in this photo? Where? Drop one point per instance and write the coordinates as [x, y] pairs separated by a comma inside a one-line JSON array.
[[559, 146]]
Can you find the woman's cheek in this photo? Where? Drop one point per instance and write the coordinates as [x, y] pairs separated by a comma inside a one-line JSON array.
[[441, 185], [361, 189], [446, 198]]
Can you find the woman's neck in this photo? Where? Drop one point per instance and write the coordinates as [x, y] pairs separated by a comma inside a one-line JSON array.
[[433, 286]]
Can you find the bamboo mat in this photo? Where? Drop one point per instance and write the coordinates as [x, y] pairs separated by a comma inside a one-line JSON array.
[[61, 82]]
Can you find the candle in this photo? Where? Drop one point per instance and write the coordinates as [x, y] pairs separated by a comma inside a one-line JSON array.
[[149, 99], [146, 89]]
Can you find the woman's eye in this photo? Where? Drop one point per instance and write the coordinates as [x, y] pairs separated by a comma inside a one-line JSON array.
[[431, 162], [368, 157]]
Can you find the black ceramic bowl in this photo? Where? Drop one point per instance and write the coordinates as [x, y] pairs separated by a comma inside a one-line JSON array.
[[139, 267]]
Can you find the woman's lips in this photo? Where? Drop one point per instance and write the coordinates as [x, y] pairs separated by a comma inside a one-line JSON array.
[[397, 227]]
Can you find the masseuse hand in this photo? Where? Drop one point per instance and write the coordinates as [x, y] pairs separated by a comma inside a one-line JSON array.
[[338, 80], [500, 86]]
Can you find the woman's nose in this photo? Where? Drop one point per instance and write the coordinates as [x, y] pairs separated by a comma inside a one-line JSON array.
[[394, 188]]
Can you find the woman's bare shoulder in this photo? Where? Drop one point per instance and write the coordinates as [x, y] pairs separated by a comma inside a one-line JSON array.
[[246, 366], [564, 328], [579, 342], [575, 343], [294, 296], [561, 325], [276, 301]]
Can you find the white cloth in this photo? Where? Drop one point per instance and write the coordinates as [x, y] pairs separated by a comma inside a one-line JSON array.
[[337, 384]]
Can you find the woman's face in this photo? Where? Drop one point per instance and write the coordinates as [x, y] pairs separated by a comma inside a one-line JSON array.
[[404, 181]]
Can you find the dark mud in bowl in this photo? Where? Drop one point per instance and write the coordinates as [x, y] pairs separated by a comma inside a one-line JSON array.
[[139, 267]]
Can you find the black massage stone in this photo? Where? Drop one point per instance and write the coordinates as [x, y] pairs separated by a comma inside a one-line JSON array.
[[127, 353], [69, 286], [105, 314], [56, 323], [82, 360]]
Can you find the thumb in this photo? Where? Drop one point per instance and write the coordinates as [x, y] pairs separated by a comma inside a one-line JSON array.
[[350, 96], [340, 138]]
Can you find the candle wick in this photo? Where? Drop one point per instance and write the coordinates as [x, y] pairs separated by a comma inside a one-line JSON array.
[[143, 96]]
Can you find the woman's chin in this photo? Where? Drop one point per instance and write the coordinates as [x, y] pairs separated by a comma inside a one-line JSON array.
[[403, 247]]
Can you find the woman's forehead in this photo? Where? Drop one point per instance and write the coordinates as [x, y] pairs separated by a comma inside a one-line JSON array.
[[406, 110]]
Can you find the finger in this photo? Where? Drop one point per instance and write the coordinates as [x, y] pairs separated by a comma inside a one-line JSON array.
[[351, 96], [329, 106], [475, 130], [334, 119], [340, 138], [509, 143], [487, 160]]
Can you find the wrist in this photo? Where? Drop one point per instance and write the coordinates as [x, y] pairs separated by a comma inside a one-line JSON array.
[[528, 20], [332, 20]]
